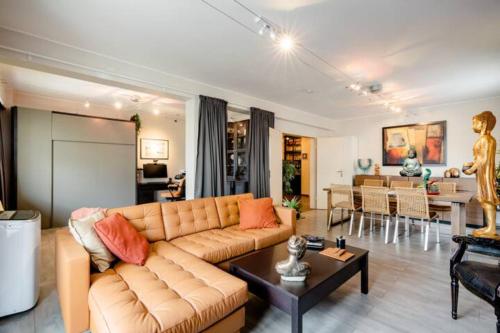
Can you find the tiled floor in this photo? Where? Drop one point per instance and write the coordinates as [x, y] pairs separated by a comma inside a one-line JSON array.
[[409, 292]]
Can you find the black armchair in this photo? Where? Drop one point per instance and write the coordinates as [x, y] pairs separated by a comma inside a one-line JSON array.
[[481, 279]]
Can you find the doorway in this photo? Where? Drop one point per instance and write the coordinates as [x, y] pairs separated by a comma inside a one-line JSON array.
[[299, 168]]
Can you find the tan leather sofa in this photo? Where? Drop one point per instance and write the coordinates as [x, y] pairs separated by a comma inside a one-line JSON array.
[[181, 287]]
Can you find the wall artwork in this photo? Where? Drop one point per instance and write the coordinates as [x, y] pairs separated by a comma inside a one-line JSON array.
[[154, 149], [428, 139]]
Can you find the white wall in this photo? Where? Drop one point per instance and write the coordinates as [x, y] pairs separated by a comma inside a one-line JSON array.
[[158, 127], [460, 137], [6, 95]]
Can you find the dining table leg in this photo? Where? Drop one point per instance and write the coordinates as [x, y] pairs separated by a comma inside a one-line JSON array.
[[458, 218]]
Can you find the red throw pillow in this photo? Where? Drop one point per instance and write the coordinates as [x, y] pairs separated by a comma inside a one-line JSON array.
[[121, 238], [257, 214]]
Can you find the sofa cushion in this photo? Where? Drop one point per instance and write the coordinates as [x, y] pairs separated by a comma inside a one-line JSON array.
[[227, 206], [263, 237], [183, 218], [215, 245], [173, 292], [257, 214], [122, 239], [144, 218]]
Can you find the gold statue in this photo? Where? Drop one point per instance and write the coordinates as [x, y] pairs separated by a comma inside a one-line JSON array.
[[484, 167]]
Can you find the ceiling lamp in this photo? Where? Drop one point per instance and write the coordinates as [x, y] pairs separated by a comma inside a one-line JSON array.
[[86, 105], [286, 42], [118, 105], [156, 112]]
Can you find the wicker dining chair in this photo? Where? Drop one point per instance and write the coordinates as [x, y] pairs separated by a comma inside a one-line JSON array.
[[444, 188], [342, 197], [373, 182], [401, 183], [413, 203], [375, 201]]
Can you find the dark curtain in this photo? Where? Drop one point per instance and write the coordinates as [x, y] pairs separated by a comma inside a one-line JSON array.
[[7, 171], [211, 158], [258, 159]]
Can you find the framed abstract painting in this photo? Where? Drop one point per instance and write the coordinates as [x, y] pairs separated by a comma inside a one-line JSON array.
[[428, 139]]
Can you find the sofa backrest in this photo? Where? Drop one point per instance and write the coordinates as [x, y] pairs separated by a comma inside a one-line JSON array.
[[181, 218], [145, 218], [227, 207]]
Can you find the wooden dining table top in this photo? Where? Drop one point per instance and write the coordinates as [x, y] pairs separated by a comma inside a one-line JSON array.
[[458, 197]]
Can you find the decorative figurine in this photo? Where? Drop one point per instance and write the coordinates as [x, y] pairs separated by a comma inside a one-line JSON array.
[[293, 269], [484, 167], [377, 169], [452, 173], [364, 164], [411, 165]]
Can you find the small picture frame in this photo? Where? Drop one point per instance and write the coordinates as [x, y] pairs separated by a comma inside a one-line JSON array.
[[154, 149]]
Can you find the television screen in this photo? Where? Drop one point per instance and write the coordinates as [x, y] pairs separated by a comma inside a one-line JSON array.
[[155, 170]]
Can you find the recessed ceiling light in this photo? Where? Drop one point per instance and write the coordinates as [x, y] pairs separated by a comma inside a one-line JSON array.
[[86, 105], [118, 105], [156, 111]]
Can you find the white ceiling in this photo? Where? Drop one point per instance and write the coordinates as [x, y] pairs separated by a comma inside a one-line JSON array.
[[424, 52], [99, 96]]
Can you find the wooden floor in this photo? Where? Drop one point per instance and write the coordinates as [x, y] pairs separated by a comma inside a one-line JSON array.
[[409, 292]]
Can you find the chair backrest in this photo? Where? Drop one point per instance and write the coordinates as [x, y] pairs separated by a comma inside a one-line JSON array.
[[342, 196], [375, 199], [373, 182], [181, 188], [401, 183], [446, 187], [412, 202]]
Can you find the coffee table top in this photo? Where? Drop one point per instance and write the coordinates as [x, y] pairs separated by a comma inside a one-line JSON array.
[[259, 266]]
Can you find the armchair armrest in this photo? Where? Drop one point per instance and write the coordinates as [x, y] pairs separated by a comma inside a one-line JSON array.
[[73, 281], [286, 216]]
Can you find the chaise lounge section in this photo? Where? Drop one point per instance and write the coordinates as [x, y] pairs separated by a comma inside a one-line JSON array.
[[181, 287]]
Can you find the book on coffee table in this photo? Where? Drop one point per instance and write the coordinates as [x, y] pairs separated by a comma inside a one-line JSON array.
[[336, 253]]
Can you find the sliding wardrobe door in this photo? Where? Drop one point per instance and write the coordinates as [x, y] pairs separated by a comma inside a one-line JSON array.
[[91, 175]]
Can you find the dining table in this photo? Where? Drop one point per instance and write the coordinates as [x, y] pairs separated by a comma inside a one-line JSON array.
[[458, 200]]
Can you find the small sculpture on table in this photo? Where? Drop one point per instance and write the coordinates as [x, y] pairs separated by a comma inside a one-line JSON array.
[[452, 173], [484, 167], [293, 269], [411, 165], [377, 169]]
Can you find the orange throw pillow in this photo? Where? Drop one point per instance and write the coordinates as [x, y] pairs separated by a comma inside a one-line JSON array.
[[257, 214], [121, 238]]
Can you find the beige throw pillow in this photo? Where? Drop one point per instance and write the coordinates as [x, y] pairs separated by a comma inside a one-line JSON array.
[[84, 233]]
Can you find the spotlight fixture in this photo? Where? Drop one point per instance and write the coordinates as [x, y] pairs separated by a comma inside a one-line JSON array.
[[86, 105], [286, 42], [272, 35], [118, 105]]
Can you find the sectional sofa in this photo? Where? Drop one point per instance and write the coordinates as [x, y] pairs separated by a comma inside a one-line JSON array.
[[183, 286]]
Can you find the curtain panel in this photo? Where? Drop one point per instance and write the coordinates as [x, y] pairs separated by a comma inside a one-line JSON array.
[[258, 159], [211, 156], [7, 171]]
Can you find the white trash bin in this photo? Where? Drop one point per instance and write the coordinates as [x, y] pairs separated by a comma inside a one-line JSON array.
[[19, 262]]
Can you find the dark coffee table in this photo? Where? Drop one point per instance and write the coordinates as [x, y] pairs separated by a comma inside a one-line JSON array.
[[296, 298]]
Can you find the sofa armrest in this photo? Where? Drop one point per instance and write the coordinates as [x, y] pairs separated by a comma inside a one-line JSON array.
[[287, 216], [73, 281]]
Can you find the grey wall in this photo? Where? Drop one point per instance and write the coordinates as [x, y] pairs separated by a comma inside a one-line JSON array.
[[68, 161], [34, 162]]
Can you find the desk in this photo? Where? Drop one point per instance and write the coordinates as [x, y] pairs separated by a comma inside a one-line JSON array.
[[458, 201], [146, 191]]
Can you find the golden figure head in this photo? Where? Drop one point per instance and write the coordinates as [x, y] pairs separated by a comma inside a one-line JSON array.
[[484, 122]]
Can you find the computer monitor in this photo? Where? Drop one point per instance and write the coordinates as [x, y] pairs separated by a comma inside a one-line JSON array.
[[151, 170]]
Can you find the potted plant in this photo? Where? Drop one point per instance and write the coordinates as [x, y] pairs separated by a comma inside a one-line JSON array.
[[293, 203], [288, 176]]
